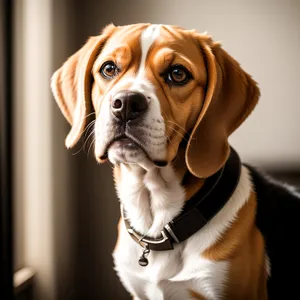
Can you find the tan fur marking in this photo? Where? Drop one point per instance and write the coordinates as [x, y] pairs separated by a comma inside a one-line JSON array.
[[243, 246], [191, 183], [224, 248], [192, 186], [195, 295]]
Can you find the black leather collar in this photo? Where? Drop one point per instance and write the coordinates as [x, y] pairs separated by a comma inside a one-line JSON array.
[[200, 209]]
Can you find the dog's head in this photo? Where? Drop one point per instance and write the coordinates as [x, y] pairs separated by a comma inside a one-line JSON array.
[[152, 87]]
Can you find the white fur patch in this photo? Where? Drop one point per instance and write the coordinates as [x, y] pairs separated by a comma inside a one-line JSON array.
[[150, 200], [148, 37]]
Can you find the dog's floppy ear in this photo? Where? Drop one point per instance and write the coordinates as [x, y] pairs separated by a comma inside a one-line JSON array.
[[231, 95], [71, 85]]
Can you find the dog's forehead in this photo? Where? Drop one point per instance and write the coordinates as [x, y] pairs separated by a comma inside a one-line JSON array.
[[125, 35], [140, 37]]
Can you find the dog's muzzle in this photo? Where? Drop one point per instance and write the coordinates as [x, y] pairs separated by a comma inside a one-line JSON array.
[[130, 129]]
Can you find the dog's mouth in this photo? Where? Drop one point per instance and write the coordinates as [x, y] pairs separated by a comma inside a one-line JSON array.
[[121, 142], [129, 144], [125, 143]]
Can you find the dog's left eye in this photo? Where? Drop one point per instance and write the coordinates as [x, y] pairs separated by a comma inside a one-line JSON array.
[[109, 70], [178, 75]]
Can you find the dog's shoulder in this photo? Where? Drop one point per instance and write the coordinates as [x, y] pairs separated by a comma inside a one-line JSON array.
[[278, 219]]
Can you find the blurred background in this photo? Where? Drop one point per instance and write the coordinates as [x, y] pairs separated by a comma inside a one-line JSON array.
[[64, 204]]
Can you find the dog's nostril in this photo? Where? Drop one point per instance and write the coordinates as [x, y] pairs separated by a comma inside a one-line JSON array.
[[138, 106], [117, 104], [134, 107]]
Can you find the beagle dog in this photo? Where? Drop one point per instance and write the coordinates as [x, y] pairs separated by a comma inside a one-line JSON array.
[[195, 222]]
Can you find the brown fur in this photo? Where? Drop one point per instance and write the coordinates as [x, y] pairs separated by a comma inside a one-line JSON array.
[[71, 85], [196, 296], [247, 276]]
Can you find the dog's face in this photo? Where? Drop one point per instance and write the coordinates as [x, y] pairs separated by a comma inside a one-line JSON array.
[[151, 88], [148, 91]]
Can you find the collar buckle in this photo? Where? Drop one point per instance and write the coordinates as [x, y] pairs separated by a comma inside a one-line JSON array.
[[162, 243], [159, 244]]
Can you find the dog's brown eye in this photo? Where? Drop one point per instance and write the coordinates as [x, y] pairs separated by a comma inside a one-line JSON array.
[[178, 75], [109, 70]]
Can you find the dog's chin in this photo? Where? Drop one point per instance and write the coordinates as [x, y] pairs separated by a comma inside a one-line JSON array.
[[127, 151]]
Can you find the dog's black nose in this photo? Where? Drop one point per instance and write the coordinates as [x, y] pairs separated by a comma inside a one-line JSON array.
[[128, 105]]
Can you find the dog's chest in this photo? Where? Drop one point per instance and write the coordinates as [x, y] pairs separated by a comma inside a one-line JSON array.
[[175, 274], [183, 272]]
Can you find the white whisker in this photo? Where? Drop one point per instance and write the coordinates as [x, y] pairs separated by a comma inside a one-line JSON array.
[[184, 131], [89, 136], [92, 113], [89, 126], [92, 143]]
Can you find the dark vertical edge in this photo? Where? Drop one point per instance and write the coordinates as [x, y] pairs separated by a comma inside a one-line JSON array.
[[6, 230]]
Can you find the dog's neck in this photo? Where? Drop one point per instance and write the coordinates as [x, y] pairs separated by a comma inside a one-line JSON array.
[[153, 198]]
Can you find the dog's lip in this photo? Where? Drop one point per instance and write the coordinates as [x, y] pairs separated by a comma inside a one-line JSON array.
[[132, 140], [123, 142], [127, 140], [119, 137]]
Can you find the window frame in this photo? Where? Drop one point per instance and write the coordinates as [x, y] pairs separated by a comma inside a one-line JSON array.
[[6, 239]]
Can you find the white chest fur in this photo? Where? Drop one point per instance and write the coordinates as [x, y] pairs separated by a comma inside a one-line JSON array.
[[150, 202]]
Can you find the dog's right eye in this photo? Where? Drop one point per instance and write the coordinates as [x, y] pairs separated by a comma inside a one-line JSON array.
[[109, 70]]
